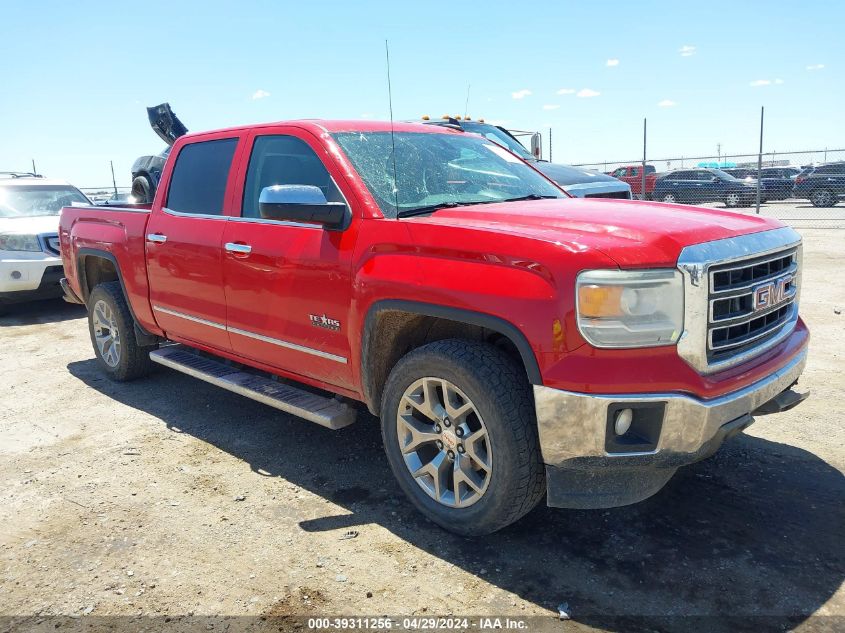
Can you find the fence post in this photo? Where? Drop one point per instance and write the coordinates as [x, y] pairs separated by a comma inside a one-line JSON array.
[[760, 159], [642, 191]]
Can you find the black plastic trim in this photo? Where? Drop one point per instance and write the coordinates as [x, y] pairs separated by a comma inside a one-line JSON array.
[[143, 336], [487, 321]]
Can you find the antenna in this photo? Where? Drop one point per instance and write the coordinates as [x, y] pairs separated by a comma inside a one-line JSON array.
[[466, 103], [392, 137]]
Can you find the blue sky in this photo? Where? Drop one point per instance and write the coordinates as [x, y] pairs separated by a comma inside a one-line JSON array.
[[77, 76]]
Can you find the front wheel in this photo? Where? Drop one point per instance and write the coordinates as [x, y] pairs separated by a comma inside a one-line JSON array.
[[671, 198], [112, 332], [823, 198], [460, 435]]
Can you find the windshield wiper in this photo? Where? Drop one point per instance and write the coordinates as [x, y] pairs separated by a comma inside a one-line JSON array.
[[530, 196]]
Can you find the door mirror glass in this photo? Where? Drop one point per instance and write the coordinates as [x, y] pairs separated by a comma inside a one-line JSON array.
[[301, 203]]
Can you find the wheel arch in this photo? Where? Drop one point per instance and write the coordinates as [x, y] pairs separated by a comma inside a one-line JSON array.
[[393, 327], [95, 266]]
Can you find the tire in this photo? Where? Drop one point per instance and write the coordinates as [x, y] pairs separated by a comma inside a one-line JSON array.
[[823, 198], [733, 200], [142, 190], [669, 198], [502, 415], [109, 319]]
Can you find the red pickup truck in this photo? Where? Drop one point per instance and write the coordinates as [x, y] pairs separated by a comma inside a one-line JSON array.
[[515, 343], [633, 175]]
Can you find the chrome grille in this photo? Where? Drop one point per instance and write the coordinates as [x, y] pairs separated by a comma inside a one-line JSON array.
[[749, 302]]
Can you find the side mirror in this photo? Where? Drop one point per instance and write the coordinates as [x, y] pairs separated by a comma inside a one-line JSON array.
[[302, 203], [537, 145]]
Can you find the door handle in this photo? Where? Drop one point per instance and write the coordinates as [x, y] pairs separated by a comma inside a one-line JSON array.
[[240, 249], [156, 237]]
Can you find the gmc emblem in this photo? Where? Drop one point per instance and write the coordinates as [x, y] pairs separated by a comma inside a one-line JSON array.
[[773, 293]]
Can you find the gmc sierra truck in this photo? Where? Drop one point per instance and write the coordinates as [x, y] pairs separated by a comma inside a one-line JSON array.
[[515, 343]]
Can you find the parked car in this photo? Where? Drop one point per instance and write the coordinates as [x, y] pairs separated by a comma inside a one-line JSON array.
[[741, 173], [777, 182], [146, 170], [632, 174], [515, 342], [577, 181], [30, 266], [823, 185], [699, 185]]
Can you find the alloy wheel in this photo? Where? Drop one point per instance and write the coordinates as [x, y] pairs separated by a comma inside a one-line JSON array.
[[670, 198], [444, 442], [106, 333]]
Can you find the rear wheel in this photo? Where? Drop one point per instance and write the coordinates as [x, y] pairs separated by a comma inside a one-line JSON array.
[[112, 332], [142, 190], [733, 200], [461, 438], [671, 198], [823, 198]]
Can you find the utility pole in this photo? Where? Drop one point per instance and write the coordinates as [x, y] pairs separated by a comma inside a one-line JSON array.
[[113, 182], [760, 158], [550, 144], [719, 155], [35, 173]]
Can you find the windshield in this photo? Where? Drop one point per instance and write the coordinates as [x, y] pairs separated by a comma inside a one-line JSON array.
[[498, 136], [21, 201], [723, 175], [439, 170]]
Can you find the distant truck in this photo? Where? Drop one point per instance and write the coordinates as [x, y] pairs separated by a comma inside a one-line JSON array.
[[146, 170], [633, 175], [576, 181]]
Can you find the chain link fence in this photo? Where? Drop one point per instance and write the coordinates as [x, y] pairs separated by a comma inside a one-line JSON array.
[[110, 193], [803, 188]]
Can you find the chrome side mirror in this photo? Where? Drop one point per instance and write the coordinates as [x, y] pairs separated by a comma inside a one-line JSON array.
[[302, 203]]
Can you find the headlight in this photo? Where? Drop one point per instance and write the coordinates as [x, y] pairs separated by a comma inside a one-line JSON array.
[[630, 308], [19, 242]]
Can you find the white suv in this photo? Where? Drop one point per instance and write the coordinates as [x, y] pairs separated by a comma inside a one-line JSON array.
[[30, 265]]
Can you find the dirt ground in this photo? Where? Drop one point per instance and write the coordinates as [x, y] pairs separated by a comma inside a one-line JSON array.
[[168, 496]]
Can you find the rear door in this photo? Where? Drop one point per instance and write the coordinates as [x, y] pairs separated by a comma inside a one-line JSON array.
[[184, 244], [288, 285]]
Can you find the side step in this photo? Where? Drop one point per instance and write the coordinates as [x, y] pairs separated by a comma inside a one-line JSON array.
[[324, 411]]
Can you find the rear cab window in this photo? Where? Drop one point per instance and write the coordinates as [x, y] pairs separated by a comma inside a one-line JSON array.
[[199, 177]]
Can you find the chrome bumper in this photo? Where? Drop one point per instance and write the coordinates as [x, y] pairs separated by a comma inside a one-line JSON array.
[[573, 425]]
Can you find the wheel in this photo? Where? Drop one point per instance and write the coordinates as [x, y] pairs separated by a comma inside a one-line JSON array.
[[670, 198], [113, 334], [733, 200], [142, 190], [460, 436], [823, 198]]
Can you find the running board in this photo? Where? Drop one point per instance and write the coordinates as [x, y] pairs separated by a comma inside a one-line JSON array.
[[324, 411]]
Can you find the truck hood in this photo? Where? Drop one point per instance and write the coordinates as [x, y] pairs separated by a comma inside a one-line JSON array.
[[166, 124], [632, 233], [565, 175], [33, 225]]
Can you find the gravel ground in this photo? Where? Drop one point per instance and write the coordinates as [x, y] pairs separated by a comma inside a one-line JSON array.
[[170, 496]]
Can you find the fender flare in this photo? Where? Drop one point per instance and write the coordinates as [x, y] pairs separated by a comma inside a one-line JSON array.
[[143, 336], [470, 317]]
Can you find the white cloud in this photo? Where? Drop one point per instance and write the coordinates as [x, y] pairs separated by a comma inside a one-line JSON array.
[[687, 50], [765, 82], [566, 91], [815, 67], [667, 103], [521, 94], [612, 62], [550, 106], [260, 94], [586, 92]]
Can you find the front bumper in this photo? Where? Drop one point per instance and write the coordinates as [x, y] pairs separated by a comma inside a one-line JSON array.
[[27, 278], [587, 466]]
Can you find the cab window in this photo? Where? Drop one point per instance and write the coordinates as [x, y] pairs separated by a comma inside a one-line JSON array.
[[284, 160]]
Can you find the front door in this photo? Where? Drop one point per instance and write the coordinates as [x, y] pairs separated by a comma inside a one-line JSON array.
[[288, 285], [184, 246]]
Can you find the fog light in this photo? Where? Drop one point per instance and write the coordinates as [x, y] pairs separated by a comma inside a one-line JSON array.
[[16, 274], [623, 421]]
